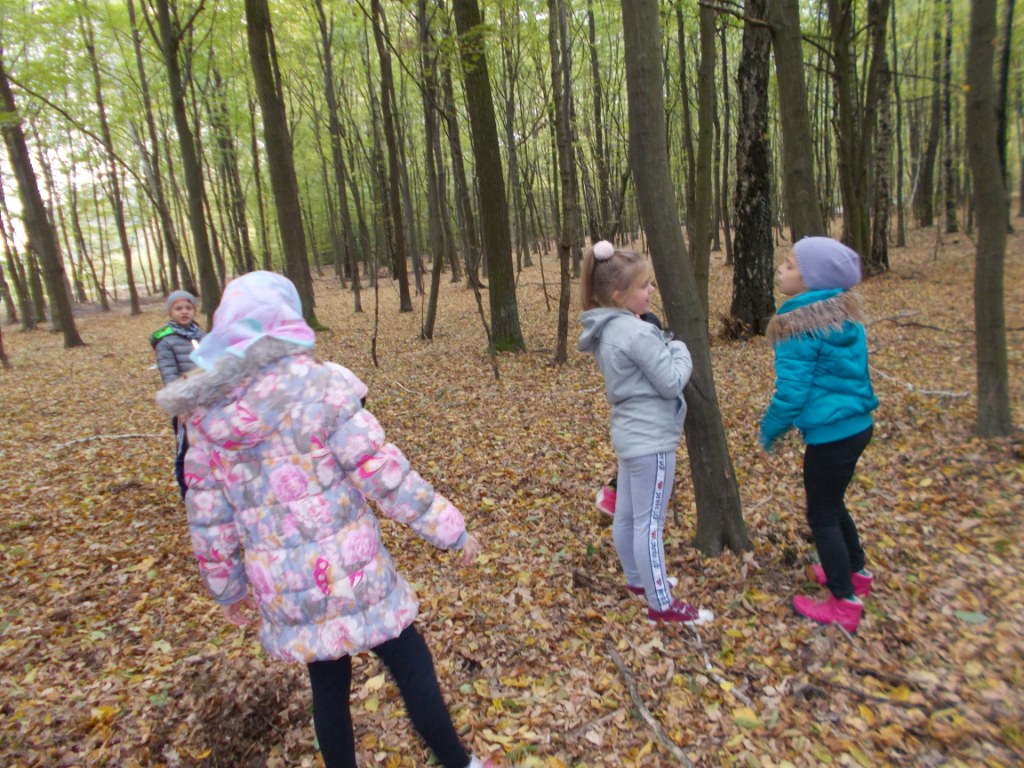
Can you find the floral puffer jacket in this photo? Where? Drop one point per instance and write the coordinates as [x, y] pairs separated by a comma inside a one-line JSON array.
[[282, 460]]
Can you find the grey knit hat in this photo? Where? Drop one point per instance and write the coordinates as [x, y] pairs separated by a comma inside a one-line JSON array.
[[178, 296], [826, 263]]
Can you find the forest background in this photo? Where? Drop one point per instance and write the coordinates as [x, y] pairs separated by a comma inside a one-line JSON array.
[[358, 148]]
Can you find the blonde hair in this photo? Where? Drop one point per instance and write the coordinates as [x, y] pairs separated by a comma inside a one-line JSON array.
[[602, 278]]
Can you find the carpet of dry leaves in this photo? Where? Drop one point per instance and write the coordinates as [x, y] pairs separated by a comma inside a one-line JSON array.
[[110, 654]]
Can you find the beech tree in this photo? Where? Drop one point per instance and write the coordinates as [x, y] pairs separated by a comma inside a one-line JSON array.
[[719, 516]]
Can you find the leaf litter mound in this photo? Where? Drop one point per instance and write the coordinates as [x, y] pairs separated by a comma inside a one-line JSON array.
[[111, 654]]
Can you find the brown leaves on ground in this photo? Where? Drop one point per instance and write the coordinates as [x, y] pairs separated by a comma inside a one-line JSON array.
[[110, 654]]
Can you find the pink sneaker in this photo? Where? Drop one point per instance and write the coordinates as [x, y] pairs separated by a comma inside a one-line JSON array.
[[681, 613], [861, 583], [845, 613], [605, 500]]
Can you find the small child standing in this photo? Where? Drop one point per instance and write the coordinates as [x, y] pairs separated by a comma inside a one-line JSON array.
[[283, 460], [823, 388], [173, 345], [605, 500], [644, 377]]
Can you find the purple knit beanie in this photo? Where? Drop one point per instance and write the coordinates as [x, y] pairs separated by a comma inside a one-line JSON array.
[[826, 263]]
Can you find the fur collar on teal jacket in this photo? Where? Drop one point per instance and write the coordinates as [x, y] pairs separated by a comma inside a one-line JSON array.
[[822, 382]]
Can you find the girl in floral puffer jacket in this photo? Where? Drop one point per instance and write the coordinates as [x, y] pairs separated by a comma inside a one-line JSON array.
[[282, 460]]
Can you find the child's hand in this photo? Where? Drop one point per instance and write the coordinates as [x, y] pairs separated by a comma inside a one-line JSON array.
[[240, 613], [470, 549]]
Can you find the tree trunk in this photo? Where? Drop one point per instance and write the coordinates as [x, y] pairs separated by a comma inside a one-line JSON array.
[[606, 228], [170, 41], [337, 155], [725, 136], [561, 96], [994, 414], [116, 203], [501, 289], [700, 241], [901, 218], [753, 298], [429, 91], [923, 199], [40, 231], [1003, 89], [803, 206], [876, 260], [948, 150], [278, 143], [387, 99], [719, 517]]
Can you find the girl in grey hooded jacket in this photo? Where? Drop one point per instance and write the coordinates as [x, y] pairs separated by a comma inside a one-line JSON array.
[[645, 373]]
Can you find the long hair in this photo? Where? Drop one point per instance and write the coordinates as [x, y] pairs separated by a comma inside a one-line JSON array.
[[602, 278]]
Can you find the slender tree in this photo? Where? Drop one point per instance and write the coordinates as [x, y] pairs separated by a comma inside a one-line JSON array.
[[278, 140], [42, 236], [719, 517], [497, 239], [994, 413]]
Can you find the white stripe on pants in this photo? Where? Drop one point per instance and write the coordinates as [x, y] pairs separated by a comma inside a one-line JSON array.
[[644, 488]]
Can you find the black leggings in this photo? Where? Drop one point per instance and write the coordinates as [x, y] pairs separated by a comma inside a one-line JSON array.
[[828, 469], [412, 668]]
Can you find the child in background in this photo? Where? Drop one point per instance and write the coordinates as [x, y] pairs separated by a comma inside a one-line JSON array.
[[644, 378], [823, 388], [605, 501], [282, 462], [172, 345]]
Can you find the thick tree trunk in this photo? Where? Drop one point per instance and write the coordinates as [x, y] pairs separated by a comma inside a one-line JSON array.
[[948, 150], [278, 142], [753, 299], [719, 517], [994, 414], [923, 199], [803, 206], [876, 260], [497, 239], [41, 233]]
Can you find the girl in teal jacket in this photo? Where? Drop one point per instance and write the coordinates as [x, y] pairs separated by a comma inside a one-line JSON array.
[[823, 388]]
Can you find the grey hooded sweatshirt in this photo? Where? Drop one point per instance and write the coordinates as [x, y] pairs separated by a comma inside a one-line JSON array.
[[644, 376]]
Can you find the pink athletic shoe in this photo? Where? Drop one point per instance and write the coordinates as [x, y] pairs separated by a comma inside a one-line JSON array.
[[861, 583], [605, 500], [845, 613], [681, 613]]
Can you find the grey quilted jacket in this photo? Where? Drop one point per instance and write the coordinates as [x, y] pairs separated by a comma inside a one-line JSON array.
[[172, 353]]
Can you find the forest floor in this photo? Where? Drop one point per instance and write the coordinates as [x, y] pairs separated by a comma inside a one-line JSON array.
[[111, 655]]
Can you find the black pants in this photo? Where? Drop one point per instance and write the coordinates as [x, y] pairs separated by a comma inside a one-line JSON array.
[[828, 469], [410, 664], [181, 438]]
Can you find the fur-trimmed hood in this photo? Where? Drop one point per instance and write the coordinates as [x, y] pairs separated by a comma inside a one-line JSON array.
[[201, 389], [815, 312]]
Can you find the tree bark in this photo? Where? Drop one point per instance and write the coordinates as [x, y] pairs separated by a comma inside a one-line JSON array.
[[700, 242], [753, 298], [923, 199], [719, 517], [170, 41], [799, 187], [278, 143], [40, 230], [497, 239], [994, 414]]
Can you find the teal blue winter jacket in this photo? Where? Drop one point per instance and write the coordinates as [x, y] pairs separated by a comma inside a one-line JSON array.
[[822, 383]]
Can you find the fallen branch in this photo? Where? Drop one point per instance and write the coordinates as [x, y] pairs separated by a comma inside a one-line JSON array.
[[638, 702], [710, 671], [90, 438], [912, 388]]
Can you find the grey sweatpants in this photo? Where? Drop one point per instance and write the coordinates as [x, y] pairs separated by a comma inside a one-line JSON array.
[[644, 488]]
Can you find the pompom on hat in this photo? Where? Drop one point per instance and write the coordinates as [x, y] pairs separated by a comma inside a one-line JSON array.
[[603, 250], [179, 296], [827, 264]]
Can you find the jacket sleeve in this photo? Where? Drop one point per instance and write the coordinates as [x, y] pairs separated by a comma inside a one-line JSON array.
[[667, 366], [381, 472], [166, 360], [795, 361], [211, 521]]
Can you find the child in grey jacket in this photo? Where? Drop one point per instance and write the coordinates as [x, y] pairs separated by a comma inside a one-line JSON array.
[[173, 345], [644, 377]]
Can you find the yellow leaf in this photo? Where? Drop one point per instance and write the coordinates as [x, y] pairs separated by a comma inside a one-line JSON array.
[[372, 704], [375, 683], [901, 693], [745, 717]]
